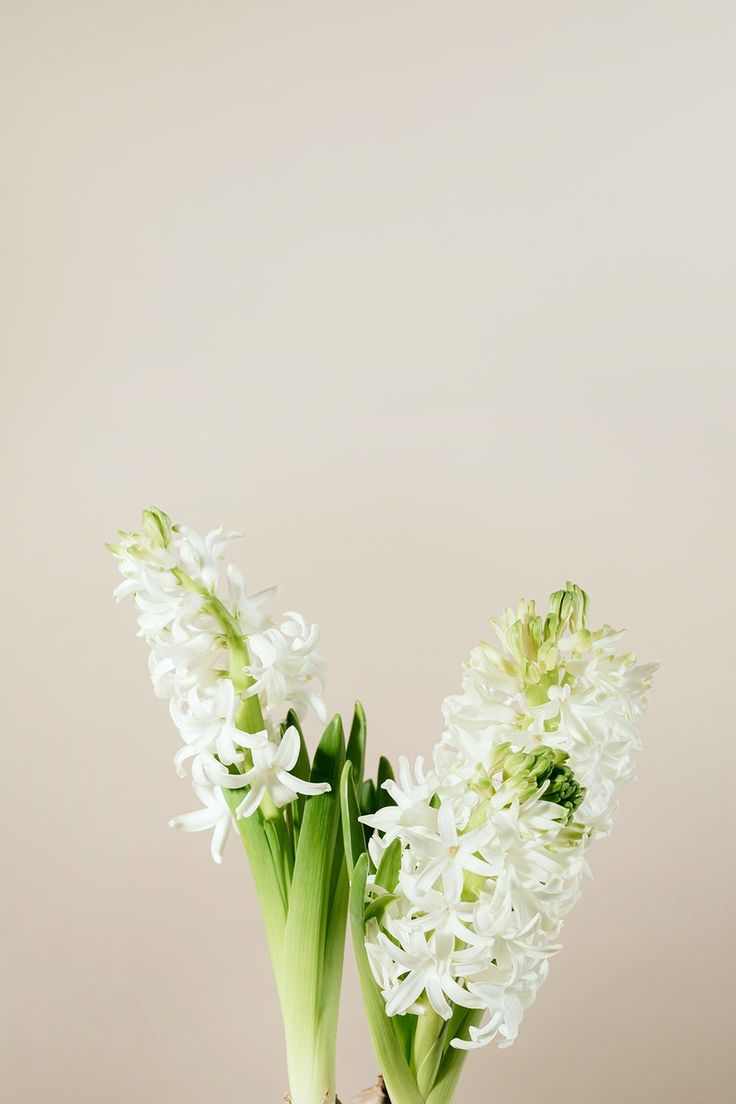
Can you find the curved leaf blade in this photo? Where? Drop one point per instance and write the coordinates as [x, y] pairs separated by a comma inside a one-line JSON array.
[[389, 1051]]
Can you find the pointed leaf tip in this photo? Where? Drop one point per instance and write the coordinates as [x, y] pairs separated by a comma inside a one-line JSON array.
[[356, 743], [330, 754]]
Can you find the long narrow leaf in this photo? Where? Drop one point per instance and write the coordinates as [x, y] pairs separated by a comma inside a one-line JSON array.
[[266, 878], [333, 957], [337, 764], [427, 1072], [352, 830], [301, 769], [277, 856], [330, 755], [386, 1040], [367, 796], [310, 902], [355, 753], [452, 1064], [405, 1028], [385, 772]]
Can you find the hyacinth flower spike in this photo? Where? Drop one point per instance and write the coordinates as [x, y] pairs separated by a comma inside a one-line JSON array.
[[462, 876], [239, 682]]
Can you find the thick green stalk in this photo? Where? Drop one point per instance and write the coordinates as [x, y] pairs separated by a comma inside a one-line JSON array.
[[315, 935], [444, 1088], [453, 1061], [427, 1049], [334, 956]]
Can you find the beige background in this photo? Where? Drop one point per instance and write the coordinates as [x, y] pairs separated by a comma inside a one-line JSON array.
[[435, 301]]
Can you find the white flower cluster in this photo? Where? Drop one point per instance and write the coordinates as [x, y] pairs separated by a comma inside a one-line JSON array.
[[217, 658], [492, 840]]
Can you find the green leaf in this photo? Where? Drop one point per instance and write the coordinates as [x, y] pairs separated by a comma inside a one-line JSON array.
[[267, 880], [330, 755], [367, 796], [301, 769], [387, 875], [454, 1059], [386, 1038], [278, 858], [406, 1026], [338, 857], [378, 906], [327, 766], [314, 884], [352, 830], [385, 772], [428, 1069], [356, 743], [456, 1025], [329, 760], [333, 957]]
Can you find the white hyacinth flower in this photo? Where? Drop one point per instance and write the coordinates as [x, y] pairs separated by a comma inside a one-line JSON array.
[[200, 556], [270, 775], [492, 841], [219, 659], [446, 854], [215, 813], [238, 680], [286, 668], [427, 966], [410, 806]]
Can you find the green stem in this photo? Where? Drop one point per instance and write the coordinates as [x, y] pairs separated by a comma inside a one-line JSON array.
[[387, 1042], [454, 1059], [315, 936], [429, 1026], [427, 1049]]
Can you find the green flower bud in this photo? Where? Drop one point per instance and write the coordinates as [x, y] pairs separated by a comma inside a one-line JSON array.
[[541, 770], [533, 640], [569, 607], [157, 527], [516, 643], [546, 769]]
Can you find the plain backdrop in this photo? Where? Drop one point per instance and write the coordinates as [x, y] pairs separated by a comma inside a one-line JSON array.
[[434, 301]]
